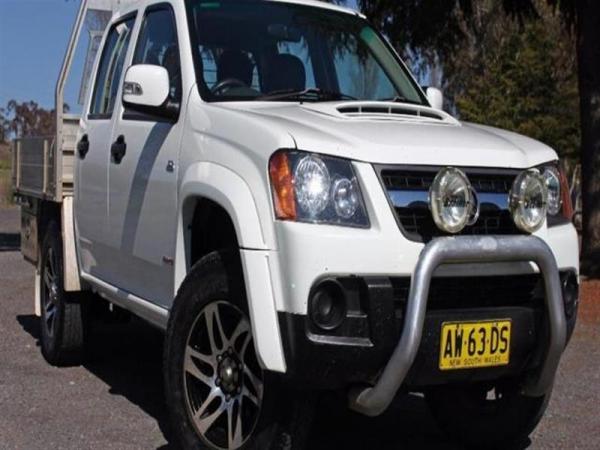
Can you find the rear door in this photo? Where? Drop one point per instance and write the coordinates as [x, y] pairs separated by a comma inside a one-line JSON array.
[[93, 152], [143, 184]]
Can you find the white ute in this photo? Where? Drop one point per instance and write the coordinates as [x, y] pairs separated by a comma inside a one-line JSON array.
[[266, 182]]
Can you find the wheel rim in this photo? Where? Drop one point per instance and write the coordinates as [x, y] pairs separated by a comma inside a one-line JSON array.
[[50, 292], [223, 381]]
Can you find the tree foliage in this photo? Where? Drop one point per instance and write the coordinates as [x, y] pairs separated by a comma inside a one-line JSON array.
[[506, 63], [520, 77], [26, 119], [434, 31]]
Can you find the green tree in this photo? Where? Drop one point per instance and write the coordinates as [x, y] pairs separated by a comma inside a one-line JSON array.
[[28, 119], [524, 81]]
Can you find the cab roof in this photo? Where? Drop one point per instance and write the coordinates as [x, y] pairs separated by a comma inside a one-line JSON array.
[[321, 4], [123, 6]]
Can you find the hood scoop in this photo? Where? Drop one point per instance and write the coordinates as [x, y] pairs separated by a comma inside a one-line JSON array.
[[385, 110]]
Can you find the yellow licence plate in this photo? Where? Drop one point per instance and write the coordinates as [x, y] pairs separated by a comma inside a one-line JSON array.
[[466, 345]]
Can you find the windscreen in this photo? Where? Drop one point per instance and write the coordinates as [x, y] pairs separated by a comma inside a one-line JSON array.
[[256, 50]]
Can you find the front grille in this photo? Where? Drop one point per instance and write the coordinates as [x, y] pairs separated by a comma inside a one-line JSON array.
[[417, 180], [415, 219], [475, 292]]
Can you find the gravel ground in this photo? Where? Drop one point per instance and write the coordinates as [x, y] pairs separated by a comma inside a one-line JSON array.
[[116, 401]]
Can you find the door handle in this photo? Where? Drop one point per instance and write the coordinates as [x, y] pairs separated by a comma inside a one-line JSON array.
[[118, 149], [83, 146]]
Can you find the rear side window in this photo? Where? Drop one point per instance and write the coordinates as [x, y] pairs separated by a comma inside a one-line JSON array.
[[157, 45], [110, 69]]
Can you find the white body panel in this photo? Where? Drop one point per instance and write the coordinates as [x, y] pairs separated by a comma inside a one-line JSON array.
[[90, 202], [131, 218]]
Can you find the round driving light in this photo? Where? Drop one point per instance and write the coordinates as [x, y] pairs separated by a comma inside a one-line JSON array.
[[345, 197], [529, 200], [552, 178], [328, 305], [312, 185], [451, 200]]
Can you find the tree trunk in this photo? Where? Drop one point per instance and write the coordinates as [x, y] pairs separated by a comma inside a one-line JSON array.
[[588, 54]]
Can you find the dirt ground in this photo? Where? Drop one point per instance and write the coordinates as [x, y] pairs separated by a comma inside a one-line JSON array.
[[116, 400]]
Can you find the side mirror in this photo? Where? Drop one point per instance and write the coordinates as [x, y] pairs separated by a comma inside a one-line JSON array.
[[146, 90], [435, 97]]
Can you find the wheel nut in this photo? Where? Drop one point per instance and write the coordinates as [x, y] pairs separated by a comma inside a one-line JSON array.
[[219, 358], [218, 382], [228, 398]]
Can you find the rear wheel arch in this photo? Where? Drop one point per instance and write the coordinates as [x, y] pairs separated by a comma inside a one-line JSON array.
[[49, 212]]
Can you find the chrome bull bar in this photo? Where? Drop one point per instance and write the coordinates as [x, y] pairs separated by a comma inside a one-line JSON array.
[[374, 400]]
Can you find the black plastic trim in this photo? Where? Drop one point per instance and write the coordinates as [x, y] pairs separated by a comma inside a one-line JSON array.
[[356, 351], [380, 168]]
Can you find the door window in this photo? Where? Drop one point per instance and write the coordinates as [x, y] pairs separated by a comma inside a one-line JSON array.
[[110, 69], [157, 45]]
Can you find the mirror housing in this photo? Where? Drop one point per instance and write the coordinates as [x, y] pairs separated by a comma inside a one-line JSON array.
[[146, 90], [435, 97]]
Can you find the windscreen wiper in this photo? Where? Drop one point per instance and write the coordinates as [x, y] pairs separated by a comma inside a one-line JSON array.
[[310, 94]]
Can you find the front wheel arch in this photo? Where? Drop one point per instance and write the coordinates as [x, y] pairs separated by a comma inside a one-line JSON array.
[[213, 279], [255, 264]]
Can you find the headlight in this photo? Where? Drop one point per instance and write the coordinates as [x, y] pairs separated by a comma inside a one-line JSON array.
[[346, 197], [529, 200], [315, 188], [552, 179], [312, 185], [451, 200]]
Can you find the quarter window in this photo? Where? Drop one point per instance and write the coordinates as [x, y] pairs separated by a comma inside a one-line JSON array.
[[110, 69]]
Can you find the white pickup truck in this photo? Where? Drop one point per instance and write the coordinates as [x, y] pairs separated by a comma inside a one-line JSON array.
[[266, 182]]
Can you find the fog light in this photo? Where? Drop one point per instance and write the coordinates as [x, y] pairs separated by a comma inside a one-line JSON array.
[[327, 305]]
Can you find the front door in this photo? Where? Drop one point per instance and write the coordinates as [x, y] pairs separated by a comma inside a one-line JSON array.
[[143, 183], [93, 152]]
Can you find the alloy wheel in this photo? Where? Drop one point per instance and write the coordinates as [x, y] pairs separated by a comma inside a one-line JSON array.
[[50, 291], [222, 378]]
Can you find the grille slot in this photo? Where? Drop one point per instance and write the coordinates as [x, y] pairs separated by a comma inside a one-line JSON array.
[[475, 292], [422, 180], [418, 221], [374, 109], [415, 218]]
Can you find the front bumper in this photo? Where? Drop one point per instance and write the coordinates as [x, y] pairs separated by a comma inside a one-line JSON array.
[[375, 399], [379, 312]]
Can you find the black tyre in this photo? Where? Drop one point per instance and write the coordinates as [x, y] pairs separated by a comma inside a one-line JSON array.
[[62, 320], [217, 394], [487, 416]]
